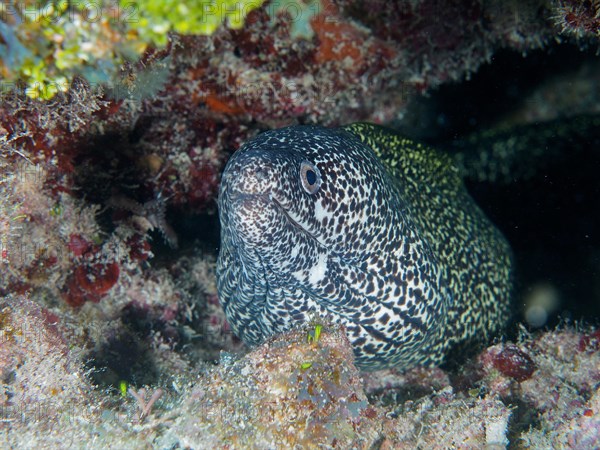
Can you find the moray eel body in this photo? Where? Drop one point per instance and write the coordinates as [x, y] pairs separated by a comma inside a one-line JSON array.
[[364, 227]]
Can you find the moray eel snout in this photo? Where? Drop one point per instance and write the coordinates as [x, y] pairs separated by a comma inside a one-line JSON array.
[[314, 221]]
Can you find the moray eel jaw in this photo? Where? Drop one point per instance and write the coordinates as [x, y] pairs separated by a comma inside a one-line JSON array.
[[312, 224]]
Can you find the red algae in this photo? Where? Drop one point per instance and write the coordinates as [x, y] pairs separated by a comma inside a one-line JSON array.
[[514, 362], [78, 245], [90, 282], [589, 342]]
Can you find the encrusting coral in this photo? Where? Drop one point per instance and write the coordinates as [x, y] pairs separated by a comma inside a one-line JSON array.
[[300, 388], [46, 45]]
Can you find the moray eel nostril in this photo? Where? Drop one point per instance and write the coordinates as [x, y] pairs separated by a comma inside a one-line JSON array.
[[249, 176], [366, 228]]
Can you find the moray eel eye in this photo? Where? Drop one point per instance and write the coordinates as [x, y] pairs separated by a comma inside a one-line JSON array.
[[310, 177]]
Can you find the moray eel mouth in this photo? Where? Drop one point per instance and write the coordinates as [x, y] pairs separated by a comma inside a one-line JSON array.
[[248, 208], [261, 224]]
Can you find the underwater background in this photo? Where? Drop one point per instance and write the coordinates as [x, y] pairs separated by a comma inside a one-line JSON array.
[[116, 121]]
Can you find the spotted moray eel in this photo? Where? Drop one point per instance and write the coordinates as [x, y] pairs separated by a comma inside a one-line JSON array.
[[366, 228]]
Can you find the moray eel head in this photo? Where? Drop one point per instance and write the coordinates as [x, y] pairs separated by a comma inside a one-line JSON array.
[[312, 224]]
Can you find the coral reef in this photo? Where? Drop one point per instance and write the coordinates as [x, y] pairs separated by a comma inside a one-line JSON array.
[[45, 45], [177, 109], [300, 389], [290, 392], [159, 141], [112, 138], [43, 381], [564, 387]]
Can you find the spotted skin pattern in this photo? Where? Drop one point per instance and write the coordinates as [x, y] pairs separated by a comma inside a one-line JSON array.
[[389, 244]]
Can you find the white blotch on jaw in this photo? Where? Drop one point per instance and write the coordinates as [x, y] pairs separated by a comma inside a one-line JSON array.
[[295, 251], [298, 275], [318, 271], [321, 212]]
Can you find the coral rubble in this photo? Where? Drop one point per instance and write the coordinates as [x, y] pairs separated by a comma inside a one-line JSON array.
[[301, 389]]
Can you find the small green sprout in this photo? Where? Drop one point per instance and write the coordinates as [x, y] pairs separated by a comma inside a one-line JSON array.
[[123, 386], [306, 365], [313, 336], [56, 210]]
